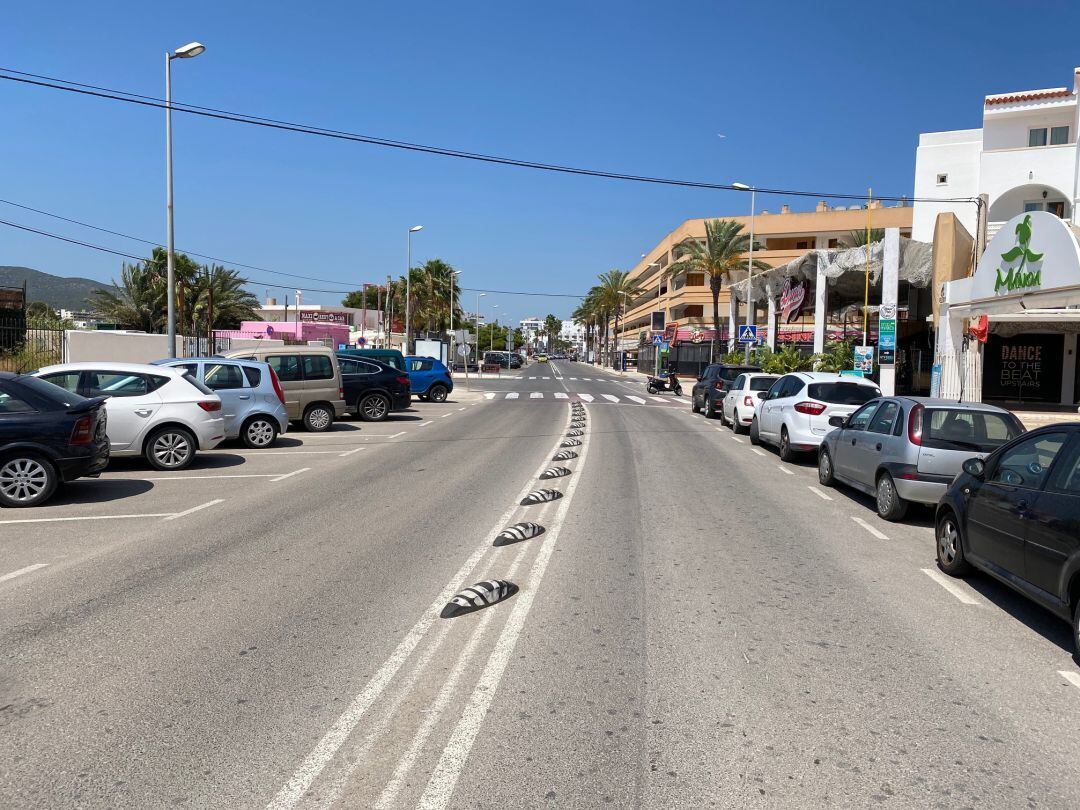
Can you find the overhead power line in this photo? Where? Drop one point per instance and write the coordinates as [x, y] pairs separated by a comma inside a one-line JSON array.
[[97, 91]]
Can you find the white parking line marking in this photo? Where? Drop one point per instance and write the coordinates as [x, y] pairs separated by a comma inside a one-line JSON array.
[[638, 400], [610, 397], [784, 469], [586, 397], [512, 395], [561, 395], [88, 517], [346, 453], [202, 506], [425, 424], [869, 528], [1071, 677], [489, 395], [759, 451], [21, 571], [293, 453], [450, 414], [201, 477], [461, 409], [536, 395], [817, 492], [301, 470], [952, 587], [399, 433]]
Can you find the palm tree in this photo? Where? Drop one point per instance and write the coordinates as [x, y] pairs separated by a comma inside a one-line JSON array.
[[720, 257], [217, 300], [431, 287], [858, 238], [615, 286], [136, 302], [585, 316]]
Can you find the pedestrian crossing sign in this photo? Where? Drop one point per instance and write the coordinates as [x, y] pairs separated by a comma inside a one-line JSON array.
[[747, 333]]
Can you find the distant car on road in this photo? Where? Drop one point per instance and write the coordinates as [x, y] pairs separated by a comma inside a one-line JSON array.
[[712, 386], [794, 413], [157, 412], [47, 435], [741, 400], [541, 358], [373, 390], [429, 379], [902, 449], [1016, 516], [252, 400]]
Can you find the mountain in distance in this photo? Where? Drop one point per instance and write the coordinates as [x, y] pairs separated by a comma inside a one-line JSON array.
[[59, 292]]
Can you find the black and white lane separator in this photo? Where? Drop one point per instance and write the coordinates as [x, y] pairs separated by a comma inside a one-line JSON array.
[[554, 472], [571, 443], [525, 530], [478, 596], [541, 496], [564, 455], [575, 432]]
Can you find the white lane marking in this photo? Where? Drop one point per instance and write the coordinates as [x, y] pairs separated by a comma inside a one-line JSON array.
[[658, 399], [1071, 677], [587, 379], [195, 509], [425, 424], [512, 395], [784, 469], [638, 400], [327, 748], [952, 587], [450, 414], [545, 378], [292, 452], [301, 470], [869, 528], [489, 395], [199, 477], [818, 492], [573, 378], [610, 397], [21, 571], [735, 438], [586, 397], [536, 395], [440, 787], [759, 451], [461, 409], [399, 433], [716, 428], [350, 452], [89, 517], [561, 395]]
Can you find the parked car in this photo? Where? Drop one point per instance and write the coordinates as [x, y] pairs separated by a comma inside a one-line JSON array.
[[515, 361], [903, 449], [741, 400], [47, 435], [429, 379], [794, 413], [373, 389], [473, 367], [391, 357], [1016, 517], [154, 411], [310, 378], [497, 358], [541, 358], [712, 386], [252, 400]]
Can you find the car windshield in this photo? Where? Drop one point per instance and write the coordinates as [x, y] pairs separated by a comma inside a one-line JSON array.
[[843, 393], [963, 429]]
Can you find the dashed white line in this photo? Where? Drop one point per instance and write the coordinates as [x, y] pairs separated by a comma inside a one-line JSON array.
[[561, 395], [869, 528], [425, 424], [658, 399], [818, 492], [784, 469], [450, 414], [461, 409], [759, 451], [638, 400], [1071, 677], [399, 433], [200, 507], [350, 452], [489, 395], [951, 586], [305, 469], [203, 477], [28, 569], [88, 517]]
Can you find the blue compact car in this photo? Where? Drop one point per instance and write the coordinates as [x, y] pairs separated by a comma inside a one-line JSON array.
[[429, 379]]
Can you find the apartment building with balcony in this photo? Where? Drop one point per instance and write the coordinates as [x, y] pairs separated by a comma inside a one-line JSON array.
[[1024, 158], [781, 236]]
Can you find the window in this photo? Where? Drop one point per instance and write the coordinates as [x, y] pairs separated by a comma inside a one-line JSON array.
[[1027, 464], [802, 244], [844, 393], [761, 383], [695, 279], [68, 380], [9, 403], [254, 375], [961, 429], [357, 367], [884, 418], [834, 243], [421, 365], [286, 366], [106, 383], [222, 376], [694, 311], [774, 392], [943, 179], [1059, 135], [739, 384], [1037, 137], [791, 387], [1066, 478], [191, 369], [318, 367], [860, 420]]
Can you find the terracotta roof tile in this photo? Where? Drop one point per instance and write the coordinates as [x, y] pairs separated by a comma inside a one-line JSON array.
[[1058, 92]]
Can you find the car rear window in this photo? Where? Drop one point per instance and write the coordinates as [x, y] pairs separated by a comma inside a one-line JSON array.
[[962, 429], [761, 383], [198, 384], [254, 375], [318, 367], [843, 393], [48, 391], [730, 374]]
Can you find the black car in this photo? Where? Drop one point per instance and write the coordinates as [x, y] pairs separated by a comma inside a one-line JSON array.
[[1016, 516], [47, 435], [712, 386], [373, 389]]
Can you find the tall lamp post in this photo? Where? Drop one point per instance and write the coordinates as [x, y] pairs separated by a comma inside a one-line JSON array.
[[491, 329], [453, 282], [188, 51], [749, 265], [478, 297], [408, 286]]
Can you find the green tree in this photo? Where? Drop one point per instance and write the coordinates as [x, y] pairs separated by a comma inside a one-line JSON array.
[[612, 295], [552, 328], [357, 298], [858, 238]]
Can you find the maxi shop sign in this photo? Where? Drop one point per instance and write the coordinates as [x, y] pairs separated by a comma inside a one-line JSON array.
[[1033, 252]]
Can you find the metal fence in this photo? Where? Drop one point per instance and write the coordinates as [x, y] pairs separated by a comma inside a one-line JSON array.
[[24, 348]]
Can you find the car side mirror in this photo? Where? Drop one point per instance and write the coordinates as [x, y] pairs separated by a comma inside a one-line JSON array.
[[975, 467], [837, 421]]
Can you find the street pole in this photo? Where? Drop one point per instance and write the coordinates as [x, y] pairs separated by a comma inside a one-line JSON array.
[[750, 275], [453, 274], [363, 323], [408, 286]]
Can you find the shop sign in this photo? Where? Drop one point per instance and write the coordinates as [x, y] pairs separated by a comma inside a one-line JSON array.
[[1034, 251], [324, 317], [864, 359], [793, 297], [1024, 367], [887, 341]]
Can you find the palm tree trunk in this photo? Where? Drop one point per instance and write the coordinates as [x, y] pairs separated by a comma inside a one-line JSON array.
[[714, 287]]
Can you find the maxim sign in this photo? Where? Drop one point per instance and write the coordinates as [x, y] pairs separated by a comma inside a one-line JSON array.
[[1034, 252], [1012, 276]]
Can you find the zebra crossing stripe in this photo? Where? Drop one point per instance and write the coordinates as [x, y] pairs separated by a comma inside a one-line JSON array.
[[658, 399], [610, 397], [638, 400], [586, 397], [536, 395], [478, 596], [564, 455], [489, 395], [541, 496], [512, 395], [561, 395], [555, 472], [517, 533]]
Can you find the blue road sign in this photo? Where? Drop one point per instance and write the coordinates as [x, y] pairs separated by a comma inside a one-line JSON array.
[[657, 340], [747, 333]]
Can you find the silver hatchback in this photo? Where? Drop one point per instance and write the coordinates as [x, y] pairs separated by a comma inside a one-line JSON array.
[[903, 449]]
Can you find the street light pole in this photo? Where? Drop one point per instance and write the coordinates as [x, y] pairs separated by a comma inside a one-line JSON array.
[[491, 330], [477, 313], [408, 286], [453, 279], [749, 266], [188, 51]]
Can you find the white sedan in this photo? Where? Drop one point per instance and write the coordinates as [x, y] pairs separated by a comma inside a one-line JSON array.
[[153, 411], [740, 404]]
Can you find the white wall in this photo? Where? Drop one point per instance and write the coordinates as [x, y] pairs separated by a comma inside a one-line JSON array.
[[120, 347], [1010, 131], [957, 155]]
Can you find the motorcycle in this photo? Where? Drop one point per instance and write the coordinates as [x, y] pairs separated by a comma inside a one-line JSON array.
[[665, 382]]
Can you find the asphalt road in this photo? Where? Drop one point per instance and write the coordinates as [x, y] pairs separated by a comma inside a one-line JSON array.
[[699, 625]]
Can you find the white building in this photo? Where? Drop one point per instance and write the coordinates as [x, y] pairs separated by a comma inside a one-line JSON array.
[[574, 333], [530, 328], [1023, 159]]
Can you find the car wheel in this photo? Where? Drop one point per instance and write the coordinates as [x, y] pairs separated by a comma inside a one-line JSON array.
[[950, 548], [755, 437], [318, 418], [170, 448], [786, 453], [373, 408], [890, 505], [1076, 627], [723, 416], [710, 408], [437, 393], [259, 432], [26, 479], [733, 422], [825, 469], [694, 407]]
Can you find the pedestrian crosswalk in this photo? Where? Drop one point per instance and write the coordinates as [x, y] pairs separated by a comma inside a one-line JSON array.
[[571, 396]]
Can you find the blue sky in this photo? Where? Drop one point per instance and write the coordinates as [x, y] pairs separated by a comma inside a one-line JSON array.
[[820, 96]]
